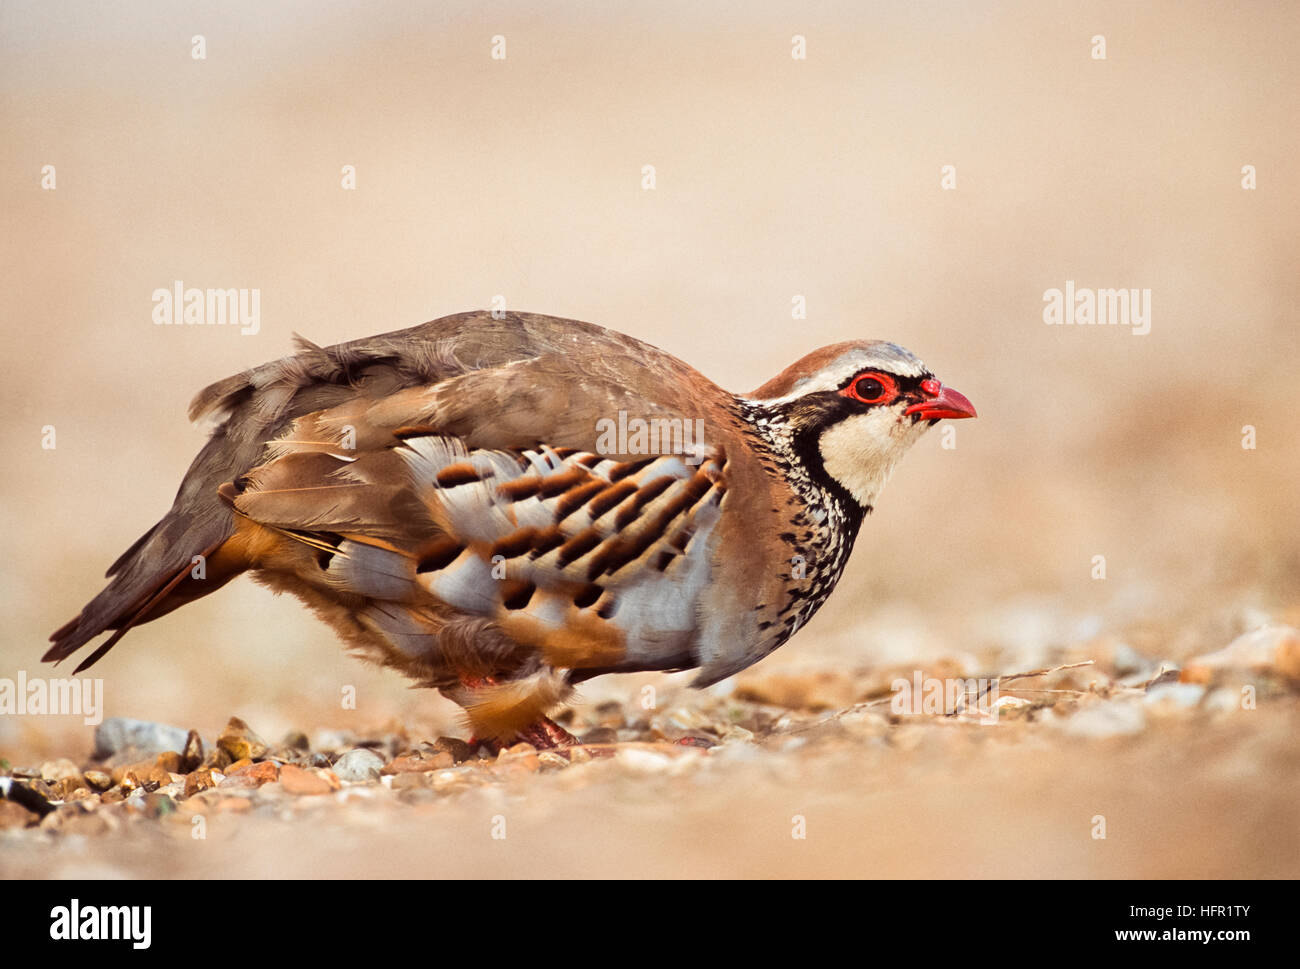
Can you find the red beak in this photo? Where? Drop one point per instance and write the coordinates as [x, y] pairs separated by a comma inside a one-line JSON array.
[[942, 402]]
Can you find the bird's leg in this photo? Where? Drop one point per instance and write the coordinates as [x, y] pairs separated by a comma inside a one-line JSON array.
[[546, 734], [543, 733]]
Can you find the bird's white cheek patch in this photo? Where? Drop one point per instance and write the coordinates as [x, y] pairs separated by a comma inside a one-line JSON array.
[[860, 452]]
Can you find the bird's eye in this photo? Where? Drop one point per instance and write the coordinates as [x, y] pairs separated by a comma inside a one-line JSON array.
[[872, 388], [869, 388]]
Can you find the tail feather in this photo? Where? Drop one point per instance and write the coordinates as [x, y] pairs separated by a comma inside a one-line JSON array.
[[158, 562], [61, 651]]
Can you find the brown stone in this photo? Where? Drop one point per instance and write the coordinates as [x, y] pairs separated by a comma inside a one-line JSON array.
[[141, 774], [170, 761], [239, 741], [192, 756], [217, 759], [65, 789], [16, 816], [310, 781], [248, 774], [99, 780], [199, 780], [459, 750]]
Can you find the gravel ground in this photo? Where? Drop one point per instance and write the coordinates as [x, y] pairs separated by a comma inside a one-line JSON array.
[[1110, 765]]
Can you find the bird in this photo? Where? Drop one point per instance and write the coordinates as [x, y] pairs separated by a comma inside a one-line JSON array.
[[503, 505]]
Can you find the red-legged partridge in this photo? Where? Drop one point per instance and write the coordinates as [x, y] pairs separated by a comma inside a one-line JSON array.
[[502, 508]]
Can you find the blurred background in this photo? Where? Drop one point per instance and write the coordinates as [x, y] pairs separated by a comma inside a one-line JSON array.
[[775, 177]]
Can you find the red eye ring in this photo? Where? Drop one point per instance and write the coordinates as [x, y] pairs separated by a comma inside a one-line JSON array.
[[886, 388]]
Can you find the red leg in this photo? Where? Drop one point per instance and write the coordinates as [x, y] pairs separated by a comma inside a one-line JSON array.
[[544, 733]]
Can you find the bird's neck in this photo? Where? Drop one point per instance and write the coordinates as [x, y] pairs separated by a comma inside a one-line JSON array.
[[821, 532]]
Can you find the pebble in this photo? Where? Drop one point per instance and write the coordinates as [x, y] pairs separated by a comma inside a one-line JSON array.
[[516, 763], [249, 774], [359, 765], [1272, 649], [141, 774], [446, 781], [66, 788], [118, 735], [239, 741], [14, 815], [99, 780], [308, 781], [410, 779], [1104, 719], [217, 759], [332, 740], [460, 751], [200, 780], [418, 763], [63, 769], [578, 755], [192, 755], [683, 718]]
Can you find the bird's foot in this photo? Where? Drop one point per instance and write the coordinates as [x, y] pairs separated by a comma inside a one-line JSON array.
[[544, 734]]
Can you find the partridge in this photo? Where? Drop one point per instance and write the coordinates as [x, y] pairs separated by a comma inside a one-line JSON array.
[[502, 507]]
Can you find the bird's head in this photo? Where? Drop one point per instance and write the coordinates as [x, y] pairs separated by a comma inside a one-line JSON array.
[[850, 411]]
